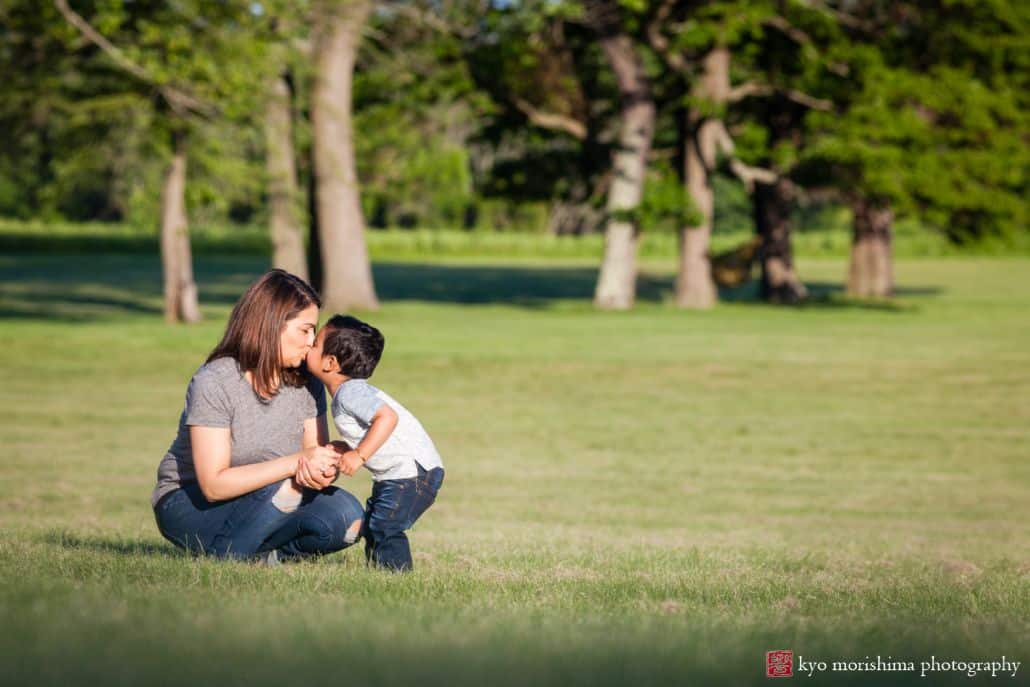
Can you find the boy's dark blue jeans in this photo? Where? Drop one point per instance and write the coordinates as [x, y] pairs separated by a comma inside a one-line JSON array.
[[394, 507]]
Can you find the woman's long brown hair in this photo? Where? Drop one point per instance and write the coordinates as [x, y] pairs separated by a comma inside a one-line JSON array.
[[256, 324]]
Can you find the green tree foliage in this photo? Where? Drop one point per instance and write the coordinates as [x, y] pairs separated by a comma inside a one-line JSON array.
[[416, 107], [782, 66], [73, 135], [549, 137], [93, 126], [932, 114], [473, 113]]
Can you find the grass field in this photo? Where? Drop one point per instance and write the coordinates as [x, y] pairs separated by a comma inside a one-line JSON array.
[[651, 497]]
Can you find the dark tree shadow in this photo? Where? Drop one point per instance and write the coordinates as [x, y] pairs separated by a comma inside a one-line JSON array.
[[78, 306], [97, 287], [104, 286], [530, 286], [824, 290], [831, 295]]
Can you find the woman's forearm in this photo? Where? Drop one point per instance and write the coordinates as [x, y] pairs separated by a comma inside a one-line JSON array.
[[231, 482], [219, 481]]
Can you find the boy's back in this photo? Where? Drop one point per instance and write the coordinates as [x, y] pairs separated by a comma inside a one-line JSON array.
[[355, 404]]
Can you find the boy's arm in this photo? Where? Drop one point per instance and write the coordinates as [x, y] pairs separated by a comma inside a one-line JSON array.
[[382, 426]]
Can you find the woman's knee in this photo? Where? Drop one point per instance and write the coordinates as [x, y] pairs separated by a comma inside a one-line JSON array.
[[343, 502], [287, 496], [250, 520], [340, 514]]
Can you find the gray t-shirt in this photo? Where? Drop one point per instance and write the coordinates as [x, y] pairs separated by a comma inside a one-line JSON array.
[[355, 404], [220, 396]]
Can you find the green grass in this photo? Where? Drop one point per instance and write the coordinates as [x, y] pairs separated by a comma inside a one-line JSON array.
[[650, 497], [830, 240]]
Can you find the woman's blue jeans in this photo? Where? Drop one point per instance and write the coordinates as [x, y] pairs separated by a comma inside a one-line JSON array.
[[251, 525]]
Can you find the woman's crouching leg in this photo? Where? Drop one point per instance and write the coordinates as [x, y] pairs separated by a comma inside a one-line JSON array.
[[255, 517], [324, 522], [225, 529]]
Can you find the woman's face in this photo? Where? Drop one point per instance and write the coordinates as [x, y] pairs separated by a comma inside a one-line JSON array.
[[297, 337], [315, 353]]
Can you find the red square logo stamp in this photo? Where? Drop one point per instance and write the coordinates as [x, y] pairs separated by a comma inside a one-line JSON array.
[[779, 663]]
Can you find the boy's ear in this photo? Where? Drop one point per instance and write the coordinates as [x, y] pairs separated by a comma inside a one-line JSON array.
[[330, 363]]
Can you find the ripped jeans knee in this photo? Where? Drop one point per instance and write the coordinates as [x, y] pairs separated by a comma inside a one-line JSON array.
[[288, 497], [352, 533]]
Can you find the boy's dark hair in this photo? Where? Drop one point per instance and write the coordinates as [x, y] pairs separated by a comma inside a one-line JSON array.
[[356, 345]]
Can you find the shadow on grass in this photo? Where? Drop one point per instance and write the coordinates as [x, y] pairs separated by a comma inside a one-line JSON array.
[[54, 287], [121, 547], [530, 286], [242, 243], [96, 287], [103, 286], [133, 547], [832, 295]]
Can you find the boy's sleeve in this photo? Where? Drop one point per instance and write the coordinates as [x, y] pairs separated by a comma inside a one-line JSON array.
[[207, 403], [358, 399]]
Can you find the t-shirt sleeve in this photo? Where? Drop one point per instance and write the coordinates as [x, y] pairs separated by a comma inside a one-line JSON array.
[[207, 402], [317, 406], [358, 399]]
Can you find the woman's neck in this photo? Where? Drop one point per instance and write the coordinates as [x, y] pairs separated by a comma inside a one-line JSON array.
[[249, 376]]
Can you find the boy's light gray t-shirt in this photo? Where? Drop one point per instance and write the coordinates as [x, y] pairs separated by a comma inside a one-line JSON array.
[[220, 396], [355, 404]]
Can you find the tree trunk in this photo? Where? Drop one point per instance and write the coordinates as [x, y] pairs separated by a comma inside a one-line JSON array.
[[772, 206], [180, 291], [287, 239], [871, 274], [314, 242], [347, 274], [694, 285], [616, 284]]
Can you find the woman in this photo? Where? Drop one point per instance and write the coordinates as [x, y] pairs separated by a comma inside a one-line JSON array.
[[254, 429]]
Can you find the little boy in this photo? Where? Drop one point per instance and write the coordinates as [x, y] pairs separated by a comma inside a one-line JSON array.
[[380, 434]]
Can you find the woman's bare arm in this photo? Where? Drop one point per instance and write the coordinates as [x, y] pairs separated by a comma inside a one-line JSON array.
[[212, 448], [316, 431]]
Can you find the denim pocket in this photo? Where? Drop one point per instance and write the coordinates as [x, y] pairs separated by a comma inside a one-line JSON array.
[[429, 482], [390, 497]]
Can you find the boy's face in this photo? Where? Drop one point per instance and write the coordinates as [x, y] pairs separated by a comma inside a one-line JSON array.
[[318, 365]]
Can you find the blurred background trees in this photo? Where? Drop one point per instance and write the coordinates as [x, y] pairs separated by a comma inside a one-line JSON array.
[[320, 118]]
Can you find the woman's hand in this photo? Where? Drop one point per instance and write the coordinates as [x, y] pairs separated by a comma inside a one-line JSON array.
[[316, 467]]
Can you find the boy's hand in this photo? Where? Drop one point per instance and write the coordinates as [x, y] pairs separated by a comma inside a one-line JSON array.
[[339, 446], [350, 462]]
